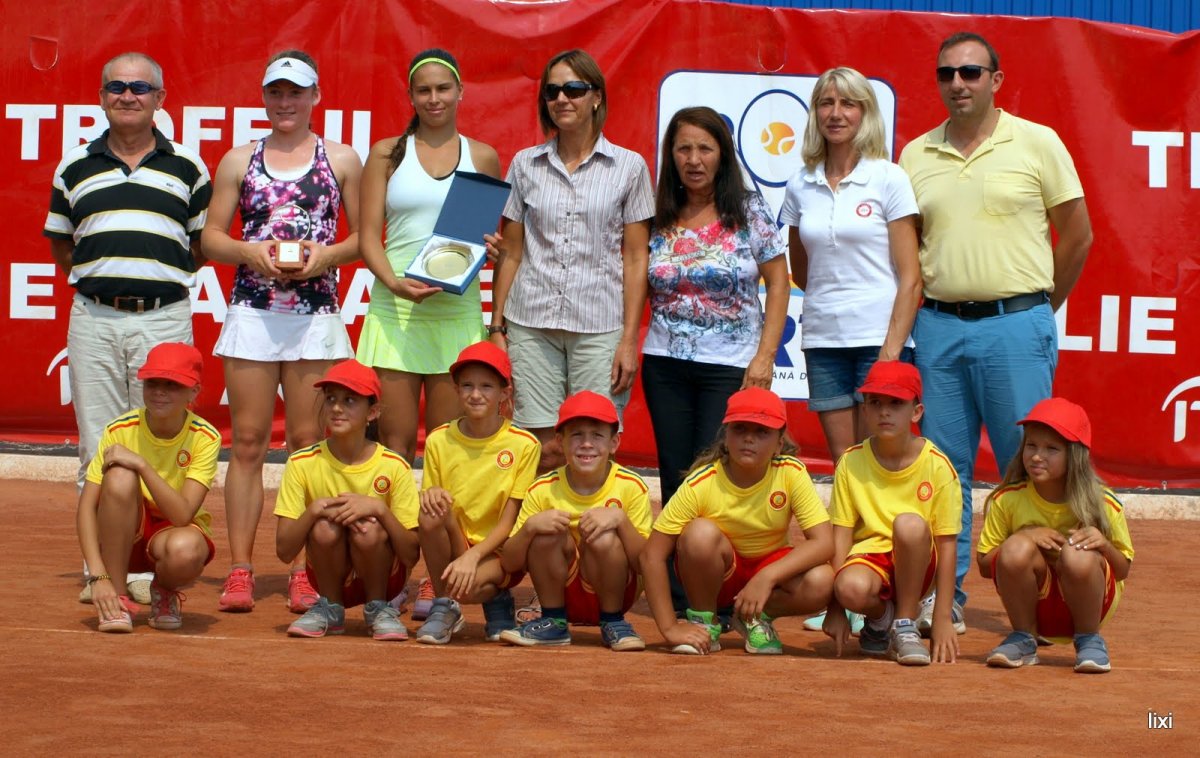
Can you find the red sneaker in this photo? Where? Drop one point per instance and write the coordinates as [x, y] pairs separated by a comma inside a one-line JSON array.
[[237, 596], [301, 594]]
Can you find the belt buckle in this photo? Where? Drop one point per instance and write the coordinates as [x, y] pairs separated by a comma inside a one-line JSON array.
[[970, 310], [139, 301]]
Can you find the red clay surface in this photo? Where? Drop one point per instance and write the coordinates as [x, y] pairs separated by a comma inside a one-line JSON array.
[[236, 684]]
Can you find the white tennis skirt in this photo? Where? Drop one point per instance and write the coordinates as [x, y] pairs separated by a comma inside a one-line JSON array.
[[257, 335]]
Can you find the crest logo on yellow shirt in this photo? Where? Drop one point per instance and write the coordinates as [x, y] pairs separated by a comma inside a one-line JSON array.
[[504, 459], [183, 458], [778, 500], [382, 485], [612, 502], [924, 491]]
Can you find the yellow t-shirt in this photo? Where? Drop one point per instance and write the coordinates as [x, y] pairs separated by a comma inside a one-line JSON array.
[[755, 519], [314, 473], [622, 489], [480, 474], [868, 497], [1019, 505], [985, 234], [191, 454]]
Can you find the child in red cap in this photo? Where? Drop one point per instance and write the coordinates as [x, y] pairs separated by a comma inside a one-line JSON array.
[[728, 527], [141, 505], [580, 531], [897, 510], [352, 505], [477, 470], [1055, 542]]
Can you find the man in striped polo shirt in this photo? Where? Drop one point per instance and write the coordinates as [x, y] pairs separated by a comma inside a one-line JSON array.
[[124, 225]]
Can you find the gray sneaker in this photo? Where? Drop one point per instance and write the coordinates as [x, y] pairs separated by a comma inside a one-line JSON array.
[[383, 621], [444, 619], [1091, 654], [1018, 649], [322, 619], [905, 646], [925, 616]]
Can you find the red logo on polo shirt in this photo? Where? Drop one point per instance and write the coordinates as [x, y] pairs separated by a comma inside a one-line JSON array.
[[864, 210], [183, 458], [778, 500], [612, 503], [504, 459], [382, 485], [924, 491]]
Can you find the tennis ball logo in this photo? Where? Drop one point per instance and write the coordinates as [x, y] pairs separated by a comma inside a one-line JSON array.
[[504, 459], [382, 485], [778, 138]]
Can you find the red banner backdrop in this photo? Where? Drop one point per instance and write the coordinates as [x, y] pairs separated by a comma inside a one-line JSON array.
[[1119, 97]]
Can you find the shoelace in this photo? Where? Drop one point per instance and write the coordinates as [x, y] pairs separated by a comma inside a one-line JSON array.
[[238, 581], [425, 591], [165, 607]]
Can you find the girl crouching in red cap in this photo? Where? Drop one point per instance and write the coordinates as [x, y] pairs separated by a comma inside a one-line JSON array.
[[1055, 542], [728, 526]]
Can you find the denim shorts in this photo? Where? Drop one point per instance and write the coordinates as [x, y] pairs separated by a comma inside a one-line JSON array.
[[836, 373]]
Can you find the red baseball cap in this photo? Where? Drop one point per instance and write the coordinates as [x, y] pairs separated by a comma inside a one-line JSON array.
[[587, 404], [894, 379], [489, 355], [758, 406], [178, 362], [353, 376], [1064, 417]]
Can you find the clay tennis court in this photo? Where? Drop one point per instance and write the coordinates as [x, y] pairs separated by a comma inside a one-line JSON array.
[[229, 684]]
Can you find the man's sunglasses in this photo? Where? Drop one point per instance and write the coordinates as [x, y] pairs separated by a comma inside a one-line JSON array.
[[945, 74], [139, 87], [573, 90]]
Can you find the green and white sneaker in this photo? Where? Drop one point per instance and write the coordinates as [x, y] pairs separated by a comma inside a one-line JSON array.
[[760, 635], [707, 620]]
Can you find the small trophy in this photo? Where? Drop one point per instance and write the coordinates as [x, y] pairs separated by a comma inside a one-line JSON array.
[[289, 224]]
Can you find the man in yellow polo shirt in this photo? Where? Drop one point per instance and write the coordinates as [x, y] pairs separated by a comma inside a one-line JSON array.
[[990, 186]]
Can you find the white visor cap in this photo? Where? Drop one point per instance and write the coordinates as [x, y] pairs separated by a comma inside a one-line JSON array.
[[293, 70]]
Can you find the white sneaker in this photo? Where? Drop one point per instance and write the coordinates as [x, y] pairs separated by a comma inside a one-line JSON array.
[[925, 617]]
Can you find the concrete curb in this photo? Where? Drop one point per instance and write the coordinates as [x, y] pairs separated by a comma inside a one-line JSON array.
[[1147, 505]]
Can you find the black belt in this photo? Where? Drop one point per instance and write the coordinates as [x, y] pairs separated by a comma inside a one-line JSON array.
[[135, 304], [972, 309]]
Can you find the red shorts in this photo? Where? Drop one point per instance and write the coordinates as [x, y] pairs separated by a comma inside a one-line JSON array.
[[884, 564], [741, 572], [583, 607], [355, 593], [507, 580], [140, 560], [1053, 615]]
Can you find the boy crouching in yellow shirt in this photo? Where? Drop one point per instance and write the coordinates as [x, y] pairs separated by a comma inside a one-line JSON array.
[[897, 510], [580, 532]]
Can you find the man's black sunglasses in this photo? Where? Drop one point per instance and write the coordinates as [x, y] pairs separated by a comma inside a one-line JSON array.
[[118, 87], [945, 74]]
